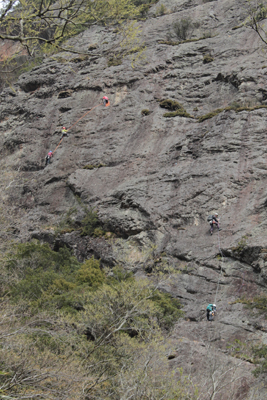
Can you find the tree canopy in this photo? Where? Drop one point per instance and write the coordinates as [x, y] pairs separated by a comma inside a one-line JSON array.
[[49, 22]]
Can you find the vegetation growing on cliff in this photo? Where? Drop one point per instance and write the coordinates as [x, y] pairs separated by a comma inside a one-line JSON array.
[[69, 329], [43, 27], [31, 22], [176, 109], [234, 107]]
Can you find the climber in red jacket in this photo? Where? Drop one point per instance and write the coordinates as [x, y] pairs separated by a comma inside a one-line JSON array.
[[48, 157], [106, 102]]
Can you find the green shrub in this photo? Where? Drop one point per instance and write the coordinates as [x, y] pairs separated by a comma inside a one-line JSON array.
[[93, 166], [114, 62], [261, 13], [183, 28], [33, 285], [172, 105], [240, 246], [210, 115], [234, 107], [180, 113], [142, 2], [38, 269], [168, 309], [240, 350], [207, 59], [34, 256], [99, 232], [90, 273], [177, 108], [145, 112], [258, 302], [206, 35], [67, 223], [161, 10], [89, 223], [120, 275]]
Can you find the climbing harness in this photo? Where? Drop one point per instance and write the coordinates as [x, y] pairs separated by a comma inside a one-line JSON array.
[[66, 130]]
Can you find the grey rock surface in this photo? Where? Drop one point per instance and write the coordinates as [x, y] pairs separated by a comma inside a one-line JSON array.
[[161, 177]]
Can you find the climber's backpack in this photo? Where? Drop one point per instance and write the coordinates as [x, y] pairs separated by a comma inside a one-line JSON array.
[[209, 218]]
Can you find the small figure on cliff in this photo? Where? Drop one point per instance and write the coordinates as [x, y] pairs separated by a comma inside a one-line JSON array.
[[64, 132], [106, 102], [48, 157], [213, 219], [211, 310]]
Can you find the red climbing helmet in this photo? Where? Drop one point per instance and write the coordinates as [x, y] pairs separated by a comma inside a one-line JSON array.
[[63, 127]]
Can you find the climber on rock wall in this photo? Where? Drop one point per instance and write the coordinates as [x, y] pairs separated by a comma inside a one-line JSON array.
[[210, 308], [48, 157], [213, 219], [105, 101], [64, 133]]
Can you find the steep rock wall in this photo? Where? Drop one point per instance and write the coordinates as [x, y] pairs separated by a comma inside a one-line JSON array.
[[161, 177]]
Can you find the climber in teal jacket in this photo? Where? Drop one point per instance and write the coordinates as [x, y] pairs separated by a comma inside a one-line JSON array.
[[211, 307]]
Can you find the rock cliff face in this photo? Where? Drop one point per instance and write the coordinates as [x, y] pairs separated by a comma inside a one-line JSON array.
[[160, 177]]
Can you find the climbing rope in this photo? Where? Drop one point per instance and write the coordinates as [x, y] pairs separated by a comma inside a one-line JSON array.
[[57, 145], [87, 112], [220, 250]]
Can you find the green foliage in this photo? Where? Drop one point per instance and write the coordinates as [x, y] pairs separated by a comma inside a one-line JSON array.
[[161, 10], [90, 273], [235, 105], [260, 354], [240, 350], [99, 232], [145, 112], [34, 256], [71, 321], [258, 302], [168, 309], [142, 2], [240, 246], [179, 113], [210, 115], [67, 223], [207, 59], [120, 275], [183, 28], [206, 35], [177, 109], [93, 166], [172, 105], [234, 108], [32, 24], [38, 269], [261, 13], [114, 62], [89, 223]]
